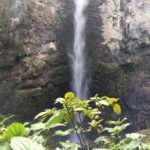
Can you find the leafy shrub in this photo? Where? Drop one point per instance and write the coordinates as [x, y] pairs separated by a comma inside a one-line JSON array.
[[75, 117]]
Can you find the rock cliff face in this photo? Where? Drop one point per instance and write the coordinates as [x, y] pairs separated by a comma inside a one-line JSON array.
[[121, 54], [35, 37], [33, 64]]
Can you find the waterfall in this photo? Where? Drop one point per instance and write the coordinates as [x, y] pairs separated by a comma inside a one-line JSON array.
[[80, 80], [78, 56]]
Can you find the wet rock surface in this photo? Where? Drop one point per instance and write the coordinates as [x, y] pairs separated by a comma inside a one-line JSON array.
[[121, 61], [33, 64]]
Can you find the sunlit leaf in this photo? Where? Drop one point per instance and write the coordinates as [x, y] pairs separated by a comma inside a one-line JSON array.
[[117, 129], [38, 138], [81, 104], [22, 143], [40, 115], [60, 100], [91, 113], [111, 101], [117, 109], [5, 146], [134, 135], [79, 109], [55, 119], [46, 113], [15, 129], [70, 146], [69, 95], [94, 123], [130, 143], [38, 126], [103, 102], [63, 133], [118, 122], [5, 120]]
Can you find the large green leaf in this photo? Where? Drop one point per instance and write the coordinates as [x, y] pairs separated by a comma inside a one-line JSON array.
[[117, 129], [63, 133], [70, 146], [15, 129], [5, 120], [55, 120], [117, 109], [127, 144], [46, 113], [60, 100], [38, 126], [22, 143], [41, 114], [69, 95], [5, 146], [91, 113]]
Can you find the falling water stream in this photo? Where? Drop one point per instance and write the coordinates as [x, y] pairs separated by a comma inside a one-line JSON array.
[[79, 72], [80, 81]]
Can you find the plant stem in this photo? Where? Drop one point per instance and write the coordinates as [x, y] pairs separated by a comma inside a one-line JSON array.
[[74, 126], [83, 137]]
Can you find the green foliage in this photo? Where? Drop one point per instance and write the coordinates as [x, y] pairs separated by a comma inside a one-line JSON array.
[[16, 137], [70, 146], [63, 133], [70, 117], [14, 130], [5, 146], [55, 120], [22, 143], [131, 142]]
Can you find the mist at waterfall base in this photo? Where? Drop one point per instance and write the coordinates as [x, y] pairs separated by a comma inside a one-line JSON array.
[[80, 80]]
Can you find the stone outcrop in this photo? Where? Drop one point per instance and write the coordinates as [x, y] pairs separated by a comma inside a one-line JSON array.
[[33, 64], [121, 54]]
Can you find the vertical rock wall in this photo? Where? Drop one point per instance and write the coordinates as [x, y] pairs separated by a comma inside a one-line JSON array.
[[121, 59], [33, 62]]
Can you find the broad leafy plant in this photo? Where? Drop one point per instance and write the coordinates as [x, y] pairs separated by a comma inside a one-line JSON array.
[[16, 137], [74, 112], [74, 121]]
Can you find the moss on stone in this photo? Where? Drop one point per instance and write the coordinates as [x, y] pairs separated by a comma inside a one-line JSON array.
[[108, 79], [28, 92], [38, 64]]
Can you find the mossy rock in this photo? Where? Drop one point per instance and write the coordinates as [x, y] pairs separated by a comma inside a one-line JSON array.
[[108, 79], [29, 92]]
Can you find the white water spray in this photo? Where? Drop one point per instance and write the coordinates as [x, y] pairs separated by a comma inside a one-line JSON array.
[[80, 81]]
